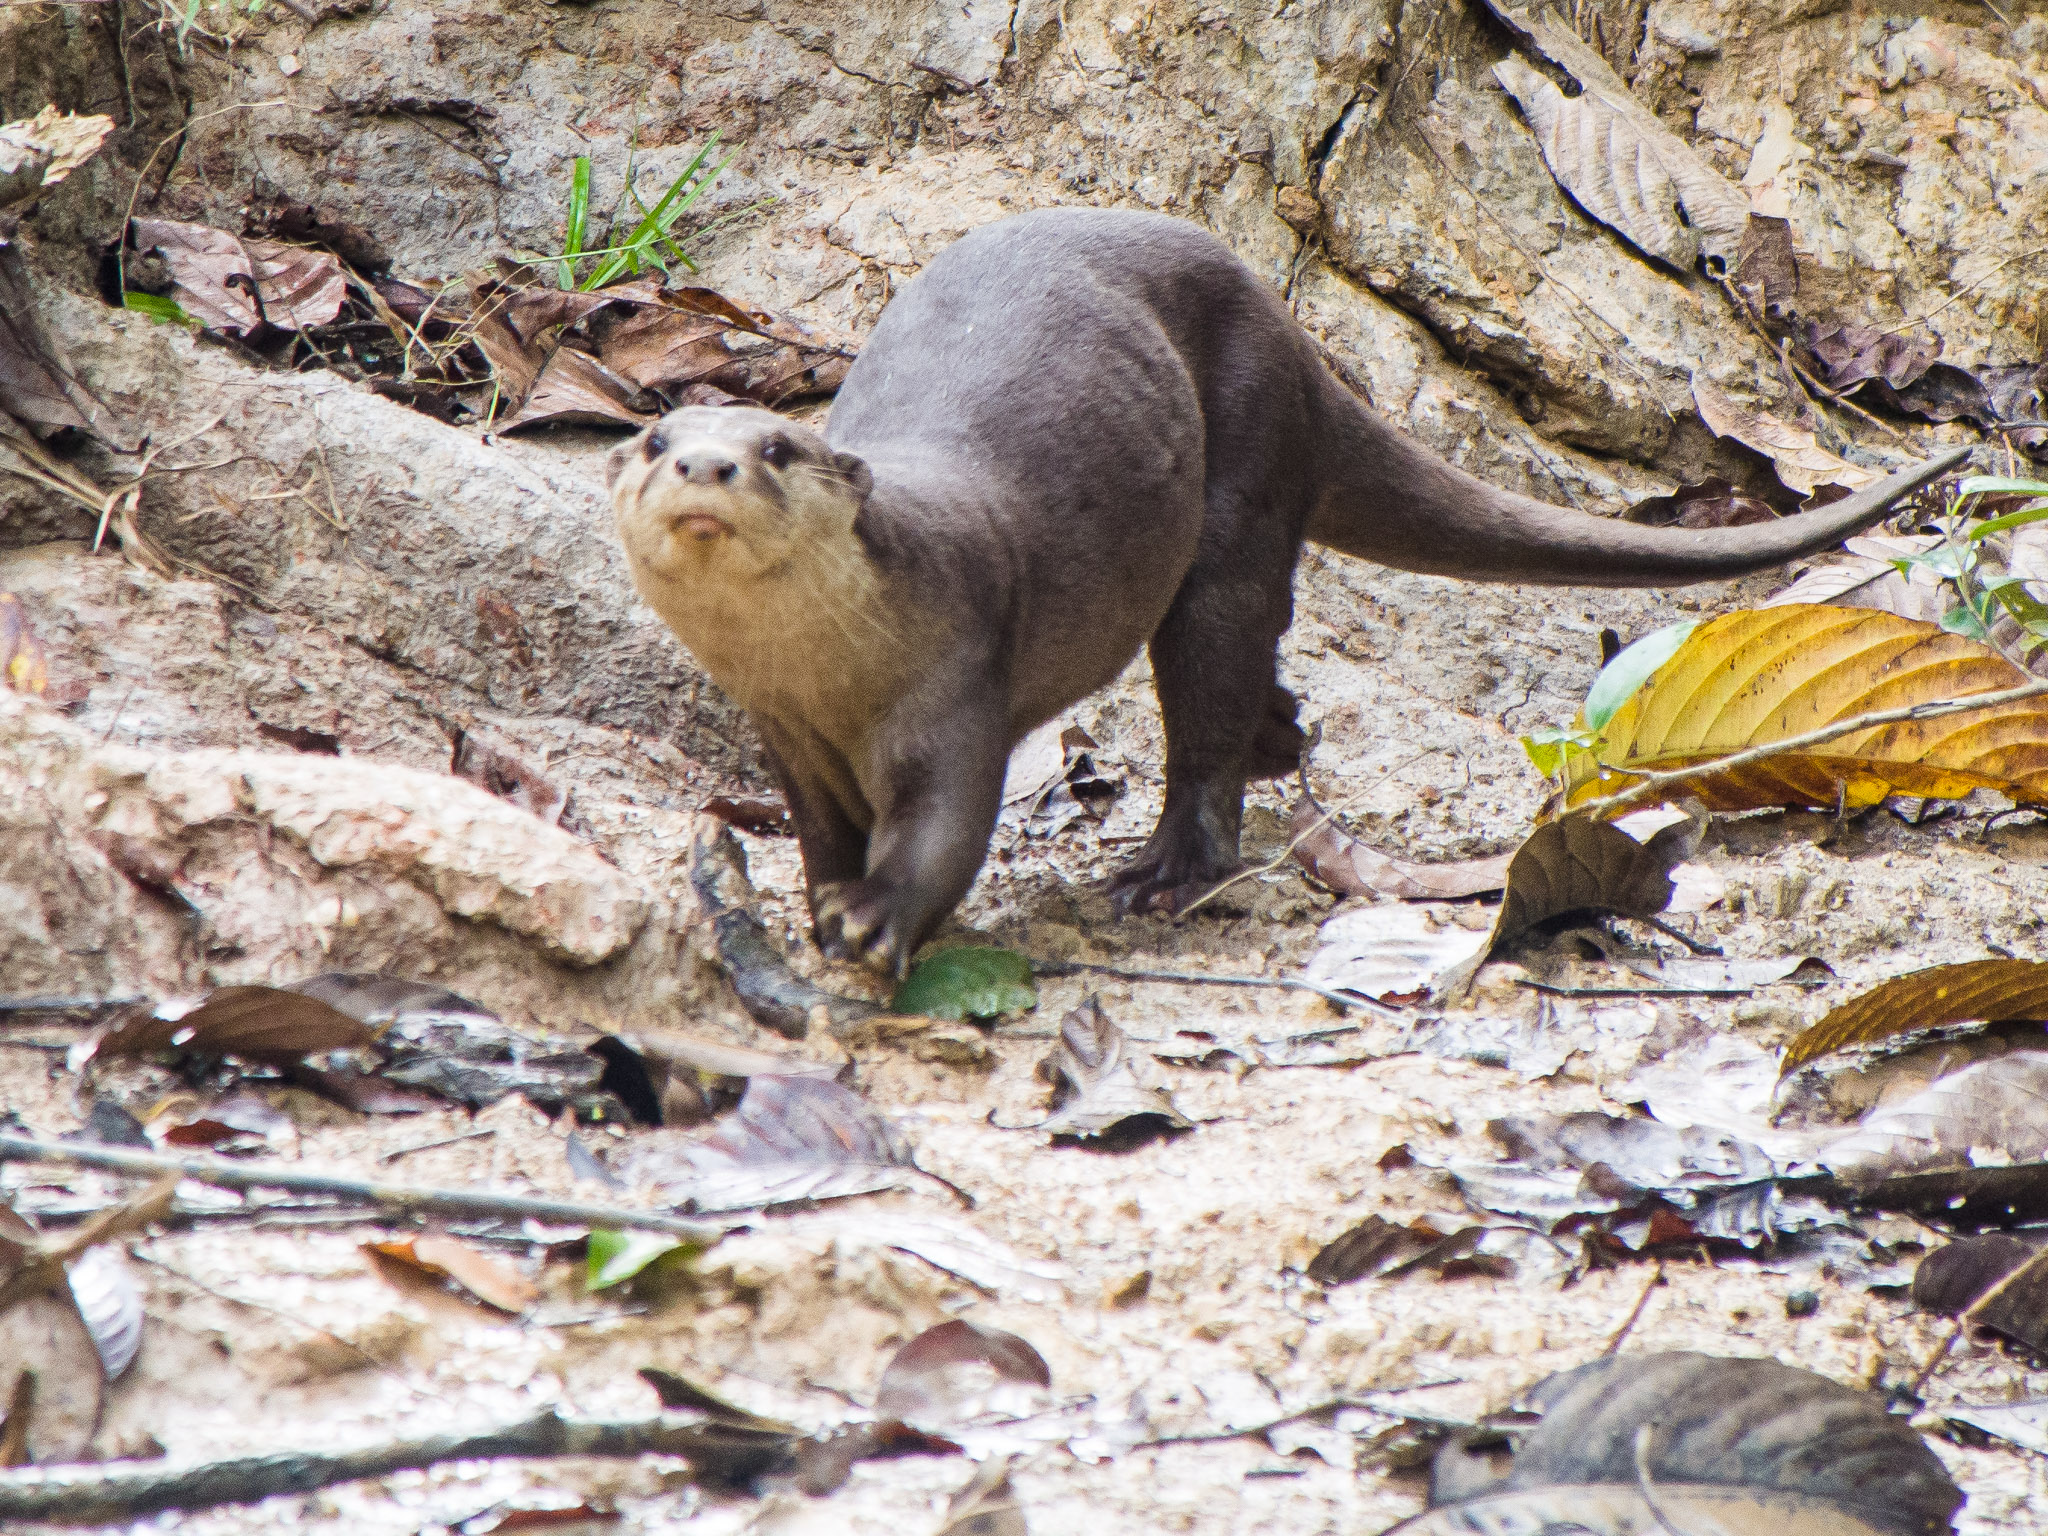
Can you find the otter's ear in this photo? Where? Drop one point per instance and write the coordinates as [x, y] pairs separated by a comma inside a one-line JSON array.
[[615, 461], [859, 478]]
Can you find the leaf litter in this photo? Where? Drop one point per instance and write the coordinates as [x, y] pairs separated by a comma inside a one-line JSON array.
[[1104, 1085]]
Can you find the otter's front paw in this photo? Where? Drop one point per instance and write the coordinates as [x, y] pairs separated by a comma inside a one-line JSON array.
[[1166, 884], [863, 921]]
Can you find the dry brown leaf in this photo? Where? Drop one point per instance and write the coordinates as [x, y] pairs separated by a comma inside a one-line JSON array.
[[1956, 1276], [1709, 503], [1802, 462], [1977, 991], [1107, 1084], [234, 285], [1575, 864], [488, 1279], [1351, 868], [1850, 354], [1759, 675], [1716, 207], [574, 388], [959, 1373], [1866, 578], [1605, 161], [258, 1023], [40, 151]]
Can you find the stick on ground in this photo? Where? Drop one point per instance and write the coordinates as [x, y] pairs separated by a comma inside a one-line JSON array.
[[405, 1199]]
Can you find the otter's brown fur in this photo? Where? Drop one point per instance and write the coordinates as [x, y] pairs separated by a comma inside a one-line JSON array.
[[1078, 432]]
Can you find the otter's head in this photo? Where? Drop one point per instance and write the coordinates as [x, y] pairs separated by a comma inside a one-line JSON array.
[[730, 495]]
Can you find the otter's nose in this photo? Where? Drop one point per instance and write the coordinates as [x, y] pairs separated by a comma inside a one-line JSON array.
[[706, 467]]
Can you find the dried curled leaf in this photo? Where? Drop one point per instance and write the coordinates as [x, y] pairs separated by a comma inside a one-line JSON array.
[[1977, 991], [959, 1373], [1802, 462], [1106, 1083], [1576, 864], [1717, 209], [234, 285], [1709, 1446], [258, 1023], [1759, 675], [1351, 868], [1604, 160], [489, 1279]]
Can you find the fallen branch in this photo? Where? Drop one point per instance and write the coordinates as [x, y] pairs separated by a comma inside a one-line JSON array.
[[90, 1496], [1652, 782], [406, 1199]]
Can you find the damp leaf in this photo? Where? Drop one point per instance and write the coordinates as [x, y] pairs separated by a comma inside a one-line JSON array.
[[968, 982]]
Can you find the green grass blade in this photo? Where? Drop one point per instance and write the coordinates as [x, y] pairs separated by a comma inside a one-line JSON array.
[[576, 224], [655, 223]]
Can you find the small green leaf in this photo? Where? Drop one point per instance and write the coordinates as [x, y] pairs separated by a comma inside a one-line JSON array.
[[1960, 620], [618, 1256], [1550, 748], [968, 983], [2032, 512], [1632, 668], [2001, 485], [160, 309]]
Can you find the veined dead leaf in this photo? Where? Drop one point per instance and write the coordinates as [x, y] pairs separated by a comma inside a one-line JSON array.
[[1351, 868], [1575, 864], [230, 284], [1976, 991], [259, 1023], [1802, 462], [1717, 209], [1107, 1082], [1866, 577], [488, 1279], [1989, 1117], [1759, 675], [1605, 161]]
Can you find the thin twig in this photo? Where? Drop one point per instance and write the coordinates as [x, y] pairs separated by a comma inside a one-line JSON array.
[[403, 1198], [1636, 1312], [429, 1146], [1653, 782], [1644, 1435], [90, 1496], [1927, 1371], [1192, 978]]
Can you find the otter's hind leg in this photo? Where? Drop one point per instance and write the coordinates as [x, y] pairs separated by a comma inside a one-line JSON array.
[[1227, 720]]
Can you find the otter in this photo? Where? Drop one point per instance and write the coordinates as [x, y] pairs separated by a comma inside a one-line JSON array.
[[1076, 433]]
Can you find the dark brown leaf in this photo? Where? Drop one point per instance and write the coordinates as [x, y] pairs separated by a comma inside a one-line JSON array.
[[257, 1023], [1748, 1446], [1952, 1278], [1351, 868], [36, 382], [1850, 354], [1102, 1083], [960, 1373], [792, 1138], [1765, 265], [1578, 865], [1709, 503], [234, 285], [575, 388], [1372, 1247]]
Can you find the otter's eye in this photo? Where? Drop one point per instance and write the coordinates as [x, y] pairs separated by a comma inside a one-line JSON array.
[[776, 452], [655, 446]]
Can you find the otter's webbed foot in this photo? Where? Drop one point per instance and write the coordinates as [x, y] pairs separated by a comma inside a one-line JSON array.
[[868, 922], [1167, 880]]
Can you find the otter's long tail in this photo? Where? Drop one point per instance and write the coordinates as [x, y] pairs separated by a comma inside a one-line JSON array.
[[1391, 501]]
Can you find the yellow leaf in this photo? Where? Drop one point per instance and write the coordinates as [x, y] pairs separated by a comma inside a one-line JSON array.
[[1943, 995], [1760, 675]]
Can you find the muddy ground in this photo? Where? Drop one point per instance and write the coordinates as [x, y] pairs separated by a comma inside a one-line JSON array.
[[351, 568]]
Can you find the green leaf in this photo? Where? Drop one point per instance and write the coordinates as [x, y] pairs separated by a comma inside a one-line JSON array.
[[613, 1257], [2001, 485], [2015, 599], [968, 983], [1551, 748], [1961, 620], [2032, 512], [577, 220], [1632, 668], [655, 224], [160, 309]]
